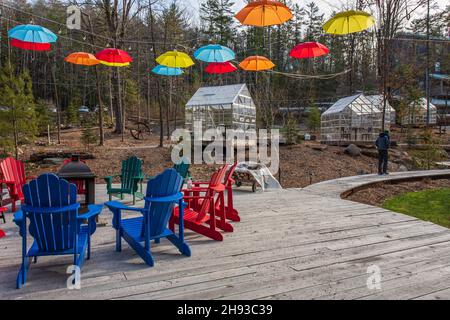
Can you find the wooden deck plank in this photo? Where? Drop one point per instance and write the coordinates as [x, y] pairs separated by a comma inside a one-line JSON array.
[[291, 244]]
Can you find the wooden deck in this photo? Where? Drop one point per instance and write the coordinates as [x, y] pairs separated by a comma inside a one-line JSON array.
[[292, 244]]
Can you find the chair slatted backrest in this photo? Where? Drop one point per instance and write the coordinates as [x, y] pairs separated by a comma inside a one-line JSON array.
[[53, 232], [215, 181], [182, 168], [14, 170], [165, 184], [132, 167]]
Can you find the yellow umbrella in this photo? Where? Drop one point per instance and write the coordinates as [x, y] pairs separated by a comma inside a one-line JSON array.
[[264, 13], [349, 22], [256, 63], [175, 59]]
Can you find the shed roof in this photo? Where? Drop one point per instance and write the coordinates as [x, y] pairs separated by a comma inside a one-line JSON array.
[[358, 103], [217, 95], [378, 101]]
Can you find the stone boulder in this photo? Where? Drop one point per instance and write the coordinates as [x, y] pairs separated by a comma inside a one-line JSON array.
[[353, 150]]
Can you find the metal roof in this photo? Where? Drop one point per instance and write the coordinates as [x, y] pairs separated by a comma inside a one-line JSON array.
[[358, 104], [377, 100], [341, 104], [218, 95]]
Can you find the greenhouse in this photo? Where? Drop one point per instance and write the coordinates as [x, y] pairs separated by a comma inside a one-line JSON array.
[[353, 118], [391, 114], [225, 107], [416, 114]]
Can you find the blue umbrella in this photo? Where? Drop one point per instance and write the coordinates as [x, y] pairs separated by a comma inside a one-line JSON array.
[[214, 53], [32, 33], [170, 72], [167, 71]]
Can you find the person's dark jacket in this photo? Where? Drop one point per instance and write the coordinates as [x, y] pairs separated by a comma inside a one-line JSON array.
[[383, 142]]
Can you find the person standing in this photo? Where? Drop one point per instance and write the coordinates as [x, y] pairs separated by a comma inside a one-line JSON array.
[[383, 143]]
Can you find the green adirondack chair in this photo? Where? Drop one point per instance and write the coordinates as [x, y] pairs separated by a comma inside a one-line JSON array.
[[183, 169], [131, 178]]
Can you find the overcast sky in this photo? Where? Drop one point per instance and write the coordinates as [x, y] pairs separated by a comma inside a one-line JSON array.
[[326, 6]]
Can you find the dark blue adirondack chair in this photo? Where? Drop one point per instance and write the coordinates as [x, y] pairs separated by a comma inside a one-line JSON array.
[[163, 193], [57, 228]]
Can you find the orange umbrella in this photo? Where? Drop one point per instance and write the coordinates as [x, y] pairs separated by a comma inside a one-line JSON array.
[[264, 13], [82, 59], [256, 63]]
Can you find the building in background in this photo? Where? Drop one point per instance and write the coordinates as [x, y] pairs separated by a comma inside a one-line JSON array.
[[352, 119], [416, 114], [224, 107]]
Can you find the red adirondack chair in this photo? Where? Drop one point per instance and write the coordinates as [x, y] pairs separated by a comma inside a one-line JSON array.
[[201, 215], [230, 212], [81, 187], [13, 173]]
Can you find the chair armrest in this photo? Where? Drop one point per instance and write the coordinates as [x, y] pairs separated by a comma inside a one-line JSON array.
[[70, 207], [197, 183], [172, 198], [94, 210], [114, 205], [198, 197]]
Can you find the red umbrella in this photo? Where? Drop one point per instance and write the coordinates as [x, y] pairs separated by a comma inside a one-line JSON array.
[[114, 57], [34, 46], [220, 68], [309, 50]]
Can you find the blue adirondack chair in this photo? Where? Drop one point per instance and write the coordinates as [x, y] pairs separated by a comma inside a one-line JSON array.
[[55, 225], [163, 193]]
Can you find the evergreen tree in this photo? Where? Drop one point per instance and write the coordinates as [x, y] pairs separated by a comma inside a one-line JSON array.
[[88, 136], [17, 112], [218, 18], [290, 130], [314, 119]]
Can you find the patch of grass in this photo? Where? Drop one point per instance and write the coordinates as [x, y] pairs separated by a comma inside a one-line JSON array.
[[429, 205]]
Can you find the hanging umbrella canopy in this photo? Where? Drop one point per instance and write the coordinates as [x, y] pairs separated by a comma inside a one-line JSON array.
[[264, 13], [32, 33], [256, 63], [309, 50], [214, 53], [220, 68], [175, 59], [349, 22], [114, 57], [82, 59], [167, 71], [32, 46]]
